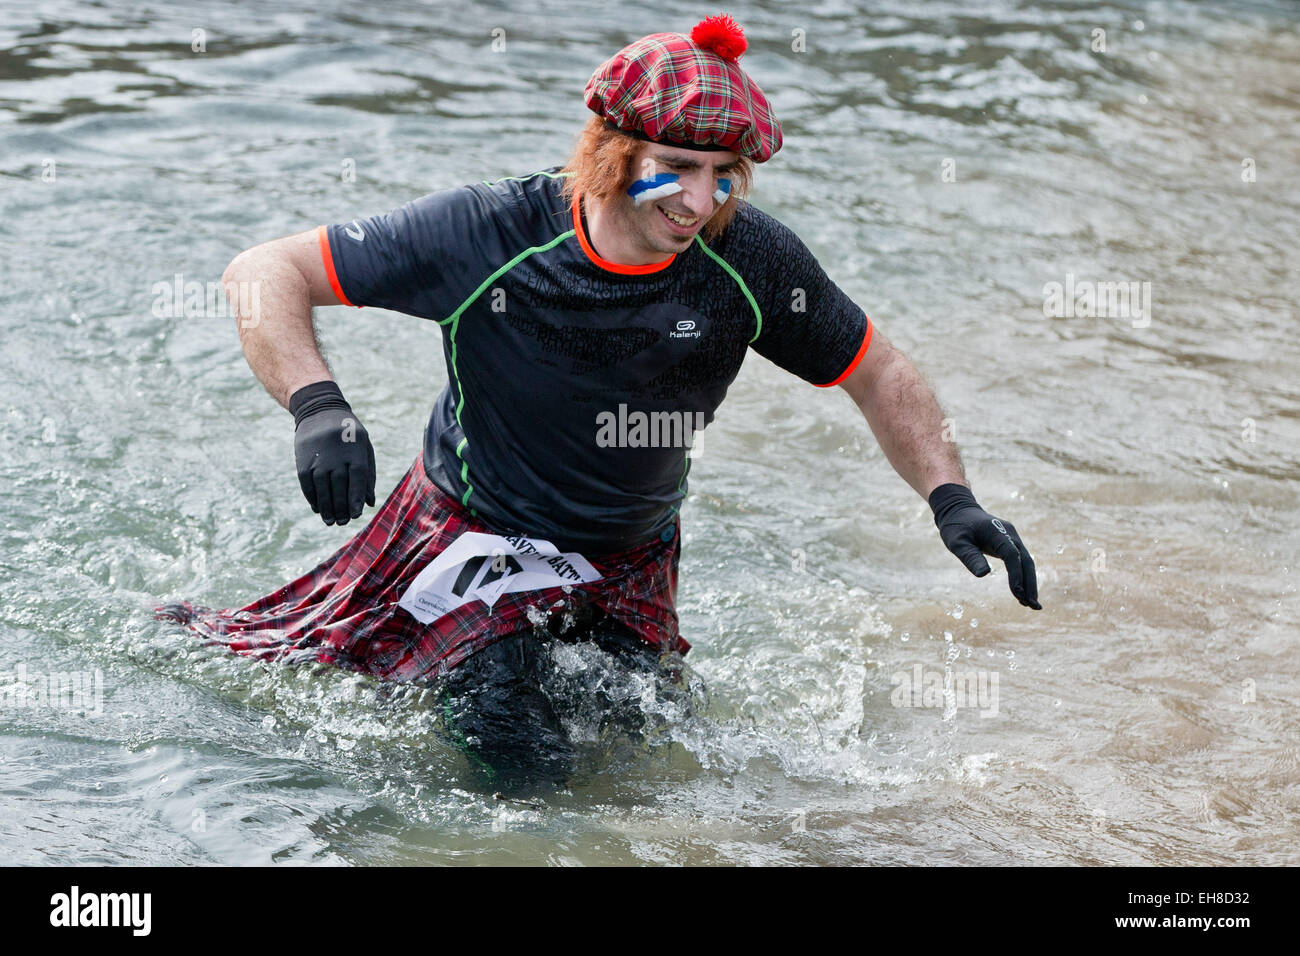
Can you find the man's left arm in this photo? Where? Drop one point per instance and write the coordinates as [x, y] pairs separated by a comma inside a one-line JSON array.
[[904, 415]]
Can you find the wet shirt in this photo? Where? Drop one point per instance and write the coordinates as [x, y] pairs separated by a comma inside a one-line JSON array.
[[575, 384]]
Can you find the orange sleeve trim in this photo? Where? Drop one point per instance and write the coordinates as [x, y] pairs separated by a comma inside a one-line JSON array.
[[327, 257], [862, 350], [605, 263]]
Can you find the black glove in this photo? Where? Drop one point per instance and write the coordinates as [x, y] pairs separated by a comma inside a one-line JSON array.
[[336, 462], [970, 532]]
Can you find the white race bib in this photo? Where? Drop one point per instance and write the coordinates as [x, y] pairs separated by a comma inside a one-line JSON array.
[[482, 567]]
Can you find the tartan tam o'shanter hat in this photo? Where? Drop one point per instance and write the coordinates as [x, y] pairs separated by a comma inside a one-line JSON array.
[[687, 91]]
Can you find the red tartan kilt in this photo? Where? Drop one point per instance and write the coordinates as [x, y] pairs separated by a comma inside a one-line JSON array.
[[345, 611]]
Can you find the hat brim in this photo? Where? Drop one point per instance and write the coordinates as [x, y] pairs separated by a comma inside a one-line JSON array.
[[638, 134]]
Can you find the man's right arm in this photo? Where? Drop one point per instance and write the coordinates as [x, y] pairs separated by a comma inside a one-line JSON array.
[[275, 322], [273, 288], [396, 260]]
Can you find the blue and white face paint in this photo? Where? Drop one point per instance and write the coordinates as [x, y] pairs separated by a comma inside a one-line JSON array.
[[663, 185], [656, 187]]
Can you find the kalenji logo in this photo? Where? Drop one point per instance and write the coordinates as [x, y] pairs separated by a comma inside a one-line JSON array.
[[103, 909], [355, 231], [685, 330]]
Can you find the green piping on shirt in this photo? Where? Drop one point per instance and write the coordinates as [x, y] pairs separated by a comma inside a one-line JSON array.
[[454, 319], [758, 315], [520, 179], [686, 466]]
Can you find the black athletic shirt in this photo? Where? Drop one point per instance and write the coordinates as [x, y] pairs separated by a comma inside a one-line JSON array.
[[542, 336]]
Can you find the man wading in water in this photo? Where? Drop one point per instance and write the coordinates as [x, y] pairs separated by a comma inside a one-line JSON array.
[[576, 305]]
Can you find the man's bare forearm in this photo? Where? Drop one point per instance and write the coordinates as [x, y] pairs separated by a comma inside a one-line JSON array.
[[905, 417], [275, 323]]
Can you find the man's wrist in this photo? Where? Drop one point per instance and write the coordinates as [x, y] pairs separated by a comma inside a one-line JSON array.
[[948, 497], [312, 398]]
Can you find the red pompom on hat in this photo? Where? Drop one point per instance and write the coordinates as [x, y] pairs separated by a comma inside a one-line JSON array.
[[722, 35], [687, 91]]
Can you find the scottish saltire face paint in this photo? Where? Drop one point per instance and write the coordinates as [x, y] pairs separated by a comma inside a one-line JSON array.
[[656, 187], [723, 191]]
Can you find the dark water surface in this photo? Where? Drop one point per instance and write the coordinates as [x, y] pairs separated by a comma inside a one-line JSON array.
[[1149, 714]]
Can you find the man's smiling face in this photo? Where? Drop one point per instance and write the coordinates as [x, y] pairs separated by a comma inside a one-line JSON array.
[[669, 225]]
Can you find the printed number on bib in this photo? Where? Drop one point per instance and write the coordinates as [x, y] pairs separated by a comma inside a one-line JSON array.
[[482, 567]]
